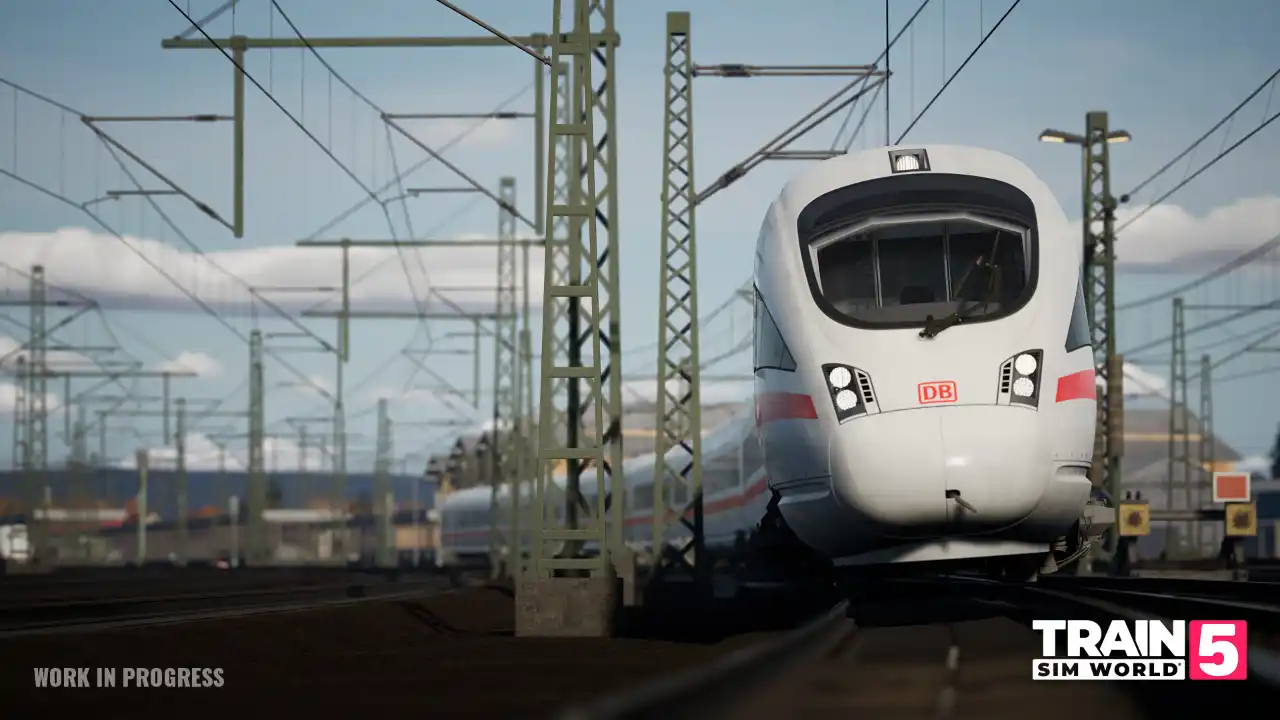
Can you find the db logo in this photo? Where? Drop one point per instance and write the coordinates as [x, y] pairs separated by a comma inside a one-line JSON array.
[[1218, 650], [941, 391]]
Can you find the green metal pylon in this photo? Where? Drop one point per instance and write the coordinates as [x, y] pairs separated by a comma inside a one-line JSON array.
[[504, 538], [677, 482], [582, 289]]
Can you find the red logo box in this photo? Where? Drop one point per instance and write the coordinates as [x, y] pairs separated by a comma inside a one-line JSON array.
[[940, 391], [1217, 650]]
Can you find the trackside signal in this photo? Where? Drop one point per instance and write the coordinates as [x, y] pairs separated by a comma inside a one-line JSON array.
[[1241, 519], [1231, 487], [1135, 519]]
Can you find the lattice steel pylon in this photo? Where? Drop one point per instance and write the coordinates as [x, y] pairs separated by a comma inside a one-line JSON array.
[[580, 214], [38, 375], [21, 449], [1207, 449], [1099, 286], [383, 498], [504, 438], [180, 478], [679, 390], [257, 490], [557, 248], [1179, 463], [602, 99]]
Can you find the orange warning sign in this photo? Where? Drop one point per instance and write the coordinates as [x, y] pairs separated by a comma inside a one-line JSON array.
[[1231, 487]]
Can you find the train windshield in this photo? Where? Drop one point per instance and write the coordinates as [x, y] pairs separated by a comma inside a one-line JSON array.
[[898, 270]]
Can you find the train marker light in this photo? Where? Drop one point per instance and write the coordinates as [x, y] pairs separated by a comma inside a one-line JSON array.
[[846, 400], [1142, 650], [1025, 364], [904, 161], [1231, 487], [1023, 387]]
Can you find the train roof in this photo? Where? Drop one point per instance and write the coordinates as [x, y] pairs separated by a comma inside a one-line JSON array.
[[635, 470], [819, 178]]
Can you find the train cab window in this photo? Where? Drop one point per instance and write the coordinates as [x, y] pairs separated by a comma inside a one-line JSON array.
[[898, 271], [770, 349], [1078, 335]]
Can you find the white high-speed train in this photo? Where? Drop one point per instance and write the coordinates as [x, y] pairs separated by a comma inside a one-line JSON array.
[[734, 497], [925, 389], [924, 375]]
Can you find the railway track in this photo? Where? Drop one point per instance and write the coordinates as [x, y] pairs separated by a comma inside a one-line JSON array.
[[953, 648], [40, 617]]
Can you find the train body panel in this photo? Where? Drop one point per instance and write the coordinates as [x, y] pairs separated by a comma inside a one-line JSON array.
[[924, 385], [733, 498]]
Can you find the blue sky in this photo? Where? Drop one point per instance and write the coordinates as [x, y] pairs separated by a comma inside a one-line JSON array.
[[1165, 71]]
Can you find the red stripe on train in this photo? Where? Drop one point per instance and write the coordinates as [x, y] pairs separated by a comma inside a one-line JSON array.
[[774, 406], [1077, 386]]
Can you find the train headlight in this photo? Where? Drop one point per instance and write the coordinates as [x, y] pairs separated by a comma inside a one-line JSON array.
[[1022, 387], [840, 377], [846, 400], [1026, 364], [1020, 378], [850, 390]]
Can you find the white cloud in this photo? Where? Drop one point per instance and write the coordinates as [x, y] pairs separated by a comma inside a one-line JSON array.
[[202, 453], [54, 359], [424, 397], [102, 267], [1143, 383], [1255, 463], [317, 382], [1169, 238], [489, 135], [713, 392], [9, 398], [197, 362]]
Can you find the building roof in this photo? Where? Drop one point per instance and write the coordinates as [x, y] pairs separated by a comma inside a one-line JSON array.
[[1146, 446], [1145, 467]]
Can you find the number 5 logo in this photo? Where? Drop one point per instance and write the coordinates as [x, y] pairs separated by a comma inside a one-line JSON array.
[[1219, 650]]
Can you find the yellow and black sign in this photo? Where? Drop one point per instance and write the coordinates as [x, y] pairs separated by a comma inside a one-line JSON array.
[[1242, 519], [1134, 519]]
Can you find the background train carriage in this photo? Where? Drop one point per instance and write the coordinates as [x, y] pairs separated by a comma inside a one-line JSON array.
[[732, 465]]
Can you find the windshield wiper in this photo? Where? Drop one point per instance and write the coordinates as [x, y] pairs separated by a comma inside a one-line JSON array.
[[933, 327]]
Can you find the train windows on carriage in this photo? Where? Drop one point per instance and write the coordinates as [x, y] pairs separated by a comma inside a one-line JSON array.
[[1078, 335], [720, 473], [642, 499], [769, 349]]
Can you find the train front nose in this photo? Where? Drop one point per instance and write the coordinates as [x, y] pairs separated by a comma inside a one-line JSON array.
[[940, 470]]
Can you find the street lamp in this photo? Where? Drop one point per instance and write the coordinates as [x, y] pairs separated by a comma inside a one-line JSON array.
[[1058, 136], [1098, 220]]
